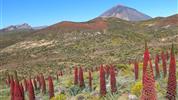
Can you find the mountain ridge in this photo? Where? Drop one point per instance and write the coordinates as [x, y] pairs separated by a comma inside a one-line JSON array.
[[19, 27], [16, 27]]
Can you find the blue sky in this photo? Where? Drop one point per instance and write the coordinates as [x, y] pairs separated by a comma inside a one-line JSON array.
[[47, 12]]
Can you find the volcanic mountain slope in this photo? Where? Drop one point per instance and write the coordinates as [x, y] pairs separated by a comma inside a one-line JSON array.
[[101, 40], [67, 26], [125, 13]]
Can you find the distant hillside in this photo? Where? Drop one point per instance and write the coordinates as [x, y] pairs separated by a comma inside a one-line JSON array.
[[101, 40], [169, 21], [8, 38]]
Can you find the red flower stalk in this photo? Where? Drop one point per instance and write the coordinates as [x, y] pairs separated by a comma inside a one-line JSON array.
[[164, 64], [145, 61], [12, 88], [76, 76], [61, 73], [171, 87], [107, 70], [158, 58], [22, 90], [136, 69], [18, 95], [113, 79], [39, 81], [25, 84], [51, 87], [35, 83], [157, 66], [116, 71], [90, 80], [43, 84], [167, 55], [81, 79], [102, 81], [148, 91], [31, 93]]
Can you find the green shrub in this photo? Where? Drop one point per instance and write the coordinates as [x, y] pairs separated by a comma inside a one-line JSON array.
[[136, 88], [59, 97]]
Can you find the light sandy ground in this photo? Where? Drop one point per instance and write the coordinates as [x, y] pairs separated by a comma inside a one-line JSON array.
[[28, 45]]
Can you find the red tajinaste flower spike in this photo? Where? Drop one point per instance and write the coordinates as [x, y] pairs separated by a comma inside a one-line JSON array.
[[22, 90], [51, 87], [164, 64], [17, 89], [81, 79], [158, 58], [61, 73], [102, 82], [39, 81], [107, 70], [145, 61], [90, 80], [148, 91], [113, 79], [31, 93], [157, 66], [136, 70], [43, 84], [35, 83], [167, 55], [76, 75], [12, 88], [25, 84], [171, 87], [116, 71]]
